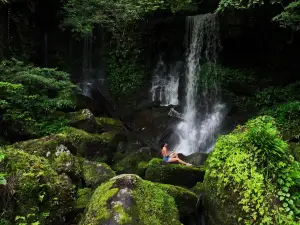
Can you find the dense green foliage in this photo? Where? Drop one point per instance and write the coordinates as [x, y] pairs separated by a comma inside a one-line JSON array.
[[256, 171], [35, 193], [238, 4], [84, 15], [29, 96], [289, 17], [120, 18]]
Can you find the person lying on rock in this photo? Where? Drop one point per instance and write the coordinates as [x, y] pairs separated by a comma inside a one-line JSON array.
[[171, 156]]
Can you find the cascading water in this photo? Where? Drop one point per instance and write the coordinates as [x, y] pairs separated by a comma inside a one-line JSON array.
[[87, 65], [165, 83], [203, 111]]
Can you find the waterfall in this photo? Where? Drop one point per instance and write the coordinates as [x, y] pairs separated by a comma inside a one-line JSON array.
[[87, 64], [165, 82], [203, 111]]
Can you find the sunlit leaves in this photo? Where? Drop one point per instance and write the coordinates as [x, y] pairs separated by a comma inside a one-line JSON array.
[[290, 17], [30, 94], [252, 166]]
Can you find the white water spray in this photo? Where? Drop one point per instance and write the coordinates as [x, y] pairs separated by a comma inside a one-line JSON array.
[[203, 112], [165, 83]]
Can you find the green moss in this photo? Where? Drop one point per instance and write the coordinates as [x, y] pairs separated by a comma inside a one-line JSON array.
[[97, 211], [123, 217], [82, 115], [127, 199], [175, 174], [78, 138], [130, 163], [184, 199], [154, 207], [37, 189], [108, 122], [42, 146], [83, 197], [108, 136], [65, 162], [198, 188], [96, 173], [142, 166]]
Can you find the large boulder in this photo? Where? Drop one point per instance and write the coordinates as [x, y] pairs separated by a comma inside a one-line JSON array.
[[96, 173], [105, 124], [127, 199], [63, 161], [36, 193], [154, 123], [78, 142], [84, 120], [185, 200], [197, 158], [182, 175], [83, 197], [128, 163]]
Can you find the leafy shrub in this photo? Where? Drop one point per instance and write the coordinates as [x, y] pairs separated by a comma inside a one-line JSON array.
[[29, 96], [84, 15], [251, 170], [125, 75], [287, 117]]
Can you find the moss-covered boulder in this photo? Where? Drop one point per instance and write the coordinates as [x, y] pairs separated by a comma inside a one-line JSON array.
[[198, 188], [66, 162], [159, 171], [185, 200], [106, 124], [130, 162], [83, 197], [84, 120], [127, 199], [96, 173], [78, 142], [34, 191]]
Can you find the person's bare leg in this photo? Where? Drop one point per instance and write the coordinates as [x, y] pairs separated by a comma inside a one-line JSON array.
[[183, 162], [176, 159]]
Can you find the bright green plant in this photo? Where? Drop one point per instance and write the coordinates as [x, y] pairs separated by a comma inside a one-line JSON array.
[[290, 16], [30, 95], [251, 166]]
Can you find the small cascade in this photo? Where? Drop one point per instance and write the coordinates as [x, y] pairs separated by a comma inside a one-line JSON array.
[[87, 65], [165, 83], [203, 111]]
